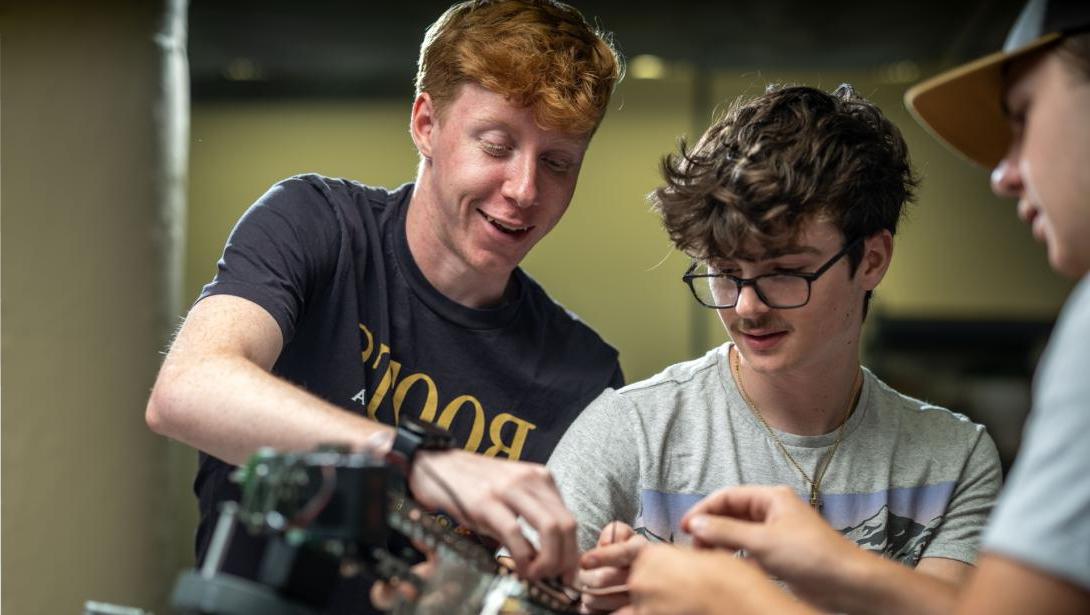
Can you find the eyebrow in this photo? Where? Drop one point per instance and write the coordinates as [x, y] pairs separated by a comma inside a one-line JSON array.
[[490, 122], [558, 138]]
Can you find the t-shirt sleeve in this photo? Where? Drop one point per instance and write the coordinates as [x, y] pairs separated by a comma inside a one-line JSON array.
[[596, 467], [1043, 516], [616, 381], [958, 535], [284, 243]]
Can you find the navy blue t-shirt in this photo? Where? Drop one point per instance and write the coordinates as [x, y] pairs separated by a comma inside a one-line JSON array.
[[365, 330]]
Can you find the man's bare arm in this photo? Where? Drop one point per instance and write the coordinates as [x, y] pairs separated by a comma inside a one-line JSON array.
[[790, 541], [215, 392], [998, 586], [1003, 586]]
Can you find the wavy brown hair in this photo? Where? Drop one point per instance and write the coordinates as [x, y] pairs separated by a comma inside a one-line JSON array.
[[536, 53], [775, 162]]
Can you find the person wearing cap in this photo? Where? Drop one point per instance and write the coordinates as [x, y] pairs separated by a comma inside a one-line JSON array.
[[1024, 112]]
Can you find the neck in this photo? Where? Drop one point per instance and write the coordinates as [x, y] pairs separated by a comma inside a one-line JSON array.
[[444, 266], [802, 402]]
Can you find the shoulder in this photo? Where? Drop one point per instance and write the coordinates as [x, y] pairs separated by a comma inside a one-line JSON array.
[[688, 385], [679, 376], [1041, 515], [1076, 312], [562, 325], [313, 188], [919, 416], [672, 401], [304, 187], [1063, 367]]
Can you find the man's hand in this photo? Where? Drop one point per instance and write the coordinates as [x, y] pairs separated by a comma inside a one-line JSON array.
[[789, 540], [776, 528], [386, 595], [489, 496], [604, 570], [673, 580], [781, 533]]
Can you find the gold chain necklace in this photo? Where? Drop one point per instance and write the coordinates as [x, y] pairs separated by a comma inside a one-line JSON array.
[[823, 465]]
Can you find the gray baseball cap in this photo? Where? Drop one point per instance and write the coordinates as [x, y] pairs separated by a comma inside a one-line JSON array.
[[963, 106]]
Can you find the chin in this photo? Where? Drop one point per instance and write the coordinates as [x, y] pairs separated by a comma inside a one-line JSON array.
[[1068, 267], [496, 263], [767, 363]]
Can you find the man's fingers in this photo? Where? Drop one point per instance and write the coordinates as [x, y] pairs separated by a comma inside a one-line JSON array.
[[386, 595], [499, 522], [615, 531], [648, 575], [620, 555], [383, 595], [603, 589], [600, 578], [723, 532], [495, 493], [749, 502], [731, 501], [555, 514], [540, 506], [607, 603]]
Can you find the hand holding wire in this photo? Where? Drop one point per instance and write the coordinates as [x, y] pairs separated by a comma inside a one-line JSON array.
[[603, 575], [499, 498]]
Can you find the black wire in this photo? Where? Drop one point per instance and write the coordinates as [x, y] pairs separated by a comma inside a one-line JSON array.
[[317, 503], [462, 513]]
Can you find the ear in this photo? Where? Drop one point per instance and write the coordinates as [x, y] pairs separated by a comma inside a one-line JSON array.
[[877, 256], [422, 123]]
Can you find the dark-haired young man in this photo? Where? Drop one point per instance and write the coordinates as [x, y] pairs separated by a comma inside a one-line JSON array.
[[788, 206], [1024, 111], [340, 310]]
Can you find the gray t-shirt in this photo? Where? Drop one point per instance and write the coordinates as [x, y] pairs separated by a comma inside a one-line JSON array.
[[1043, 516], [910, 480]]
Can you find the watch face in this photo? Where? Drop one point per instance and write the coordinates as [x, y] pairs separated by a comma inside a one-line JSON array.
[[412, 426], [433, 436], [429, 436]]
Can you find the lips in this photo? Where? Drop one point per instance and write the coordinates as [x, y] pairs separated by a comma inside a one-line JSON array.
[[762, 340], [1031, 215], [1027, 212], [506, 226]]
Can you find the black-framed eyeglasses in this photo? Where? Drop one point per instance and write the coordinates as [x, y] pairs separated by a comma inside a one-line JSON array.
[[779, 290]]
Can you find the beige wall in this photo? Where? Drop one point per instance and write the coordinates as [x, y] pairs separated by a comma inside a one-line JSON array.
[[84, 512]]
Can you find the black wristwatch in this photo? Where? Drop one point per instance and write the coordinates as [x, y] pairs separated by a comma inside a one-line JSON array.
[[414, 436]]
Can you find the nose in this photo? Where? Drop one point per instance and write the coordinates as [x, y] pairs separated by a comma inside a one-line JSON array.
[[1007, 177], [749, 303], [520, 185]]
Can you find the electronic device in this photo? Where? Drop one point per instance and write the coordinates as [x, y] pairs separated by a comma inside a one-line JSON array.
[[330, 513]]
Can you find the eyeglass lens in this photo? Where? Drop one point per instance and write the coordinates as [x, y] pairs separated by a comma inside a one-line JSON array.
[[775, 290]]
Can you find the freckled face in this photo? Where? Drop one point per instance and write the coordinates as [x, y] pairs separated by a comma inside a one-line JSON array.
[[1046, 165], [494, 182]]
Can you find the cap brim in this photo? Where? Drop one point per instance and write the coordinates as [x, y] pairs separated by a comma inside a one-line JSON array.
[[963, 108]]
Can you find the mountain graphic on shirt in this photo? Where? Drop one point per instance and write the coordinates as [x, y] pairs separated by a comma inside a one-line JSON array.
[[896, 537]]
